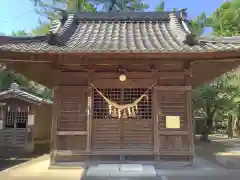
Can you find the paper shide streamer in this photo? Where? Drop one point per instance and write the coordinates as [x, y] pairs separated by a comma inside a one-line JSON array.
[[123, 110]]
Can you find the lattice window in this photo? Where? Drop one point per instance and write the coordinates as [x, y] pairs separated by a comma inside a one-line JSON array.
[[9, 123], [122, 96], [100, 107], [144, 107], [21, 119], [16, 119]]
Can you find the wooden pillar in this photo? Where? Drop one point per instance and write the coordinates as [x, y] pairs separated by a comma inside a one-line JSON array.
[[89, 114], [155, 112], [89, 120], [156, 123], [53, 142], [190, 119]]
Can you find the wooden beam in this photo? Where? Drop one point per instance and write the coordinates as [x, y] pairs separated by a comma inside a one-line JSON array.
[[73, 133], [215, 60], [174, 88], [23, 61], [172, 133], [176, 153], [131, 75], [109, 152]]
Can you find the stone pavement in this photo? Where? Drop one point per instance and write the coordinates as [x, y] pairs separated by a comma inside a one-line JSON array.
[[38, 170]]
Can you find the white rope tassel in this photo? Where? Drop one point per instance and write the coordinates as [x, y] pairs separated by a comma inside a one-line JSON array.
[[124, 114], [114, 112], [119, 113], [110, 109], [129, 112]]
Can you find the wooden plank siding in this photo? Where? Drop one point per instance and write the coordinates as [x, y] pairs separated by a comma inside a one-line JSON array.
[[172, 101], [71, 130], [80, 134]]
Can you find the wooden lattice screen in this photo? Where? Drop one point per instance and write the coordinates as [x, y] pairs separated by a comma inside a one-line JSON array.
[[16, 119], [122, 96], [128, 133]]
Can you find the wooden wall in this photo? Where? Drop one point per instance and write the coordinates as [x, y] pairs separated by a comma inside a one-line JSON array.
[[76, 135], [42, 127]]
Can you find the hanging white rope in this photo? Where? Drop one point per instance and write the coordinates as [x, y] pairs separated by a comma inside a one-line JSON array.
[[123, 110]]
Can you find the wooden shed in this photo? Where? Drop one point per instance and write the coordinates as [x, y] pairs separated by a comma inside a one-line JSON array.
[[25, 119], [122, 82]]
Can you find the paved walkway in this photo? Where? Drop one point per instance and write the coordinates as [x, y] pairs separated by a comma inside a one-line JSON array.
[[38, 170]]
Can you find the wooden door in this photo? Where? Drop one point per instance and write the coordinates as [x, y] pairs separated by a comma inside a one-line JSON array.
[[105, 129], [122, 134], [172, 101]]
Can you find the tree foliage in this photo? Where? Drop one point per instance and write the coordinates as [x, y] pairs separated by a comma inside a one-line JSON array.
[[218, 96], [19, 33], [225, 20], [121, 5], [197, 25], [51, 9]]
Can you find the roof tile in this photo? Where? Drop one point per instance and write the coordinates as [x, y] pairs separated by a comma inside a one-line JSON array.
[[132, 32]]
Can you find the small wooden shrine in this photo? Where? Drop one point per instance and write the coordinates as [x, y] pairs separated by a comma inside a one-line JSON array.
[[122, 82], [25, 119]]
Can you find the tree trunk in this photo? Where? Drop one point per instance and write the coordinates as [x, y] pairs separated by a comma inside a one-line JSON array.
[[237, 126], [230, 127], [207, 129], [209, 122]]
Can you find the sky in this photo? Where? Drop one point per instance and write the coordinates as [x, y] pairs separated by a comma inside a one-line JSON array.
[[20, 14]]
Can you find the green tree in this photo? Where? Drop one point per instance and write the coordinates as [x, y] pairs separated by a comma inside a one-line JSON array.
[[49, 7], [7, 77], [21, 33], [42, 29], [225, 20], [160, 7], [122, 5], [197, 25], [218, 96], [51, 10]]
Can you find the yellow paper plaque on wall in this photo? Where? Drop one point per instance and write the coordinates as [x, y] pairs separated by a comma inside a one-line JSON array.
[[173, 122]]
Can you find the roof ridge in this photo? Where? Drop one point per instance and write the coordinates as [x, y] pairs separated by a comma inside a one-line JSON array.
[[224, 40], [61, 31], [131, 16], [27, 39], [26, 95]]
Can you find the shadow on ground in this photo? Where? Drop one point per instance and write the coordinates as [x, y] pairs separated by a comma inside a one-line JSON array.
[[209, 150], [10, 157]]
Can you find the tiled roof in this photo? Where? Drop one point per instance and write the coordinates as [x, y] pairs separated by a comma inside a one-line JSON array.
[[16, 92], [120, 32]]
